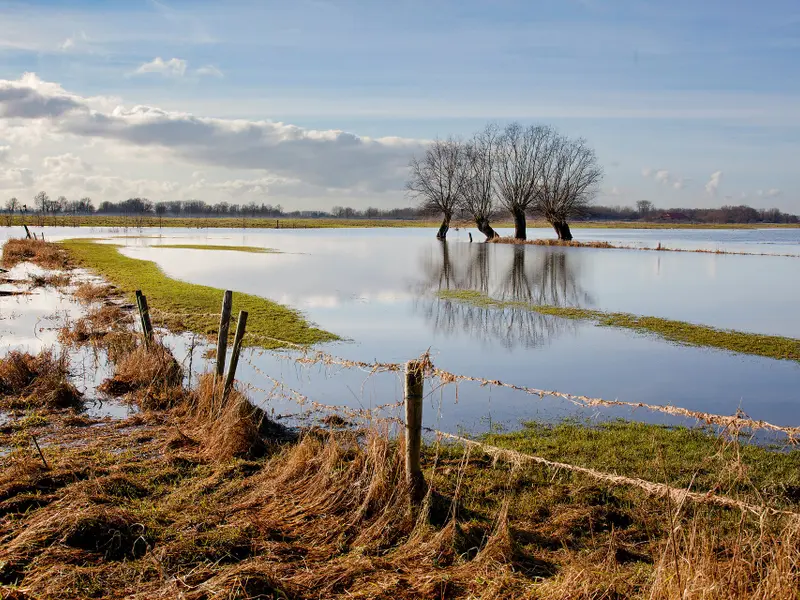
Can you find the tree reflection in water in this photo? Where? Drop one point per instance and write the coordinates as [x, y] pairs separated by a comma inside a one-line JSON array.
[[517, 274]]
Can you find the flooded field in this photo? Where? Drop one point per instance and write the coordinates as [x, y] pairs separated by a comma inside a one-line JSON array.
[[377, 289]]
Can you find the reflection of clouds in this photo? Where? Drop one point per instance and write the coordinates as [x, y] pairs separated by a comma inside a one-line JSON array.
[[530, 275], [337, 300]]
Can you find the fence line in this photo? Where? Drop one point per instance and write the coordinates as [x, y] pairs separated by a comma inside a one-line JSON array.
[[736, 422], [679, 495], [652, 488]]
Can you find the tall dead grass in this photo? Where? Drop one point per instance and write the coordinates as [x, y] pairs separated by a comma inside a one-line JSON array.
[[94, 292], [44, 254], [231, 426], [40, 380], [149, 375]]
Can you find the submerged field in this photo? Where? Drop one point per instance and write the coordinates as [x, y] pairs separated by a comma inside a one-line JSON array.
[[184, 306], [769, 346], [199, 496]]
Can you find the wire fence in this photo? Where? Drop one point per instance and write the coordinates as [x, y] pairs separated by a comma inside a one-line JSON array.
[[424, 368]]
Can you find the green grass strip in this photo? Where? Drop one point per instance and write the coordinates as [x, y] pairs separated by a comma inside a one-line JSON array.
[[251, 249], [770, 346], [678, 455], [193, 302]]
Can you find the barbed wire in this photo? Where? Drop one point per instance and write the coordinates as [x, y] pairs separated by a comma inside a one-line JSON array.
[[652, 488], [738, 421]]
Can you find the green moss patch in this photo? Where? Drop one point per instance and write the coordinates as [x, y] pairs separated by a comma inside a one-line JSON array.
[[182, 306], [770, 346]]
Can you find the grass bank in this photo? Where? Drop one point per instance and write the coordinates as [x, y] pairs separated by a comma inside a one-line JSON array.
[[251, 249], [190, 307], [609, 245], [683, 456], [681, 332]]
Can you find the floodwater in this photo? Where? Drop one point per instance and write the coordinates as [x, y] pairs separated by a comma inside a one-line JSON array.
[[376, 288]]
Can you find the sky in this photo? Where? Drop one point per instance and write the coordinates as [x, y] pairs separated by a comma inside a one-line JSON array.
[[316, 103]]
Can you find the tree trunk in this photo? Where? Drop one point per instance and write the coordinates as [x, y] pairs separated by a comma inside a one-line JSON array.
[[562, 230], [442, 234], [486, 229], [520, 228]]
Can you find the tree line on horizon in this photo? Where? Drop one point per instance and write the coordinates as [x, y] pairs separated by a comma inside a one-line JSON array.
[[42, 204]]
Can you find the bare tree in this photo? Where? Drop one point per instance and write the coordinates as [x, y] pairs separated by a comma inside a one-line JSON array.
[[644, 207], [42, 201], [438, 180], [479, 192], [566, 182], [520, 152], [12, 205]]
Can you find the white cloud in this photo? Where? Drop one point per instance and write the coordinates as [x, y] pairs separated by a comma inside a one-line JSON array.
[[679, 183], [662, 177], [294, 160], [713, 184], [71, 42], [665, 178], [16, 179], [770, 193], [210, 70], [174, 67], [5, 154], [66, 163]]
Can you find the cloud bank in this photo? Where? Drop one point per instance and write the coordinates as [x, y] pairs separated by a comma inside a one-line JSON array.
[[328, 160]]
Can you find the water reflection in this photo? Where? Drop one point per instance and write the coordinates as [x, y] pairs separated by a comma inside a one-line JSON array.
[[514, 274]]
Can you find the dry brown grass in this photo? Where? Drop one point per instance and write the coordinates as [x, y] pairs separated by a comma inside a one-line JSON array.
[[94, 292], [149, 375], [233, 427], [45, 254], [551, 242], [106, 327], [28, 381], [57, 280], [131, 513]]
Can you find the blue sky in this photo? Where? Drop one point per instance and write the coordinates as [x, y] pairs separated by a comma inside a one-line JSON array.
[[687, 103]]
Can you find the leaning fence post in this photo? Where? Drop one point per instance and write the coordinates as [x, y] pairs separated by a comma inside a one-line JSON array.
[[413, 399], [237, 348], [144, 316], [27, 231], [224, 326]]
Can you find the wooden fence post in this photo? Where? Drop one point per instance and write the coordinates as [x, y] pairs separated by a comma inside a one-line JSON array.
[[27, 231], [222, 336], [144, 316], [413, 399], [237, 348]]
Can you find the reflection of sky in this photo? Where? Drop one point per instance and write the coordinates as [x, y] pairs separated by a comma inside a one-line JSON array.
[[375, 289]]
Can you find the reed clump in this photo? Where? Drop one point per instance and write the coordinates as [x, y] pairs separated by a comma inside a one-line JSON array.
[[551, 242], [56, 280], [149, 375], [42, 380], [230, 425], [44, 254], [94, 292]]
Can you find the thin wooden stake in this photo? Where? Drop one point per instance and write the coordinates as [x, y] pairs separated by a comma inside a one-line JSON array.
[[237, 348], [27, 231], [39, 450], [148, 326], [144, 317], [413, 398], [224, 326]]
